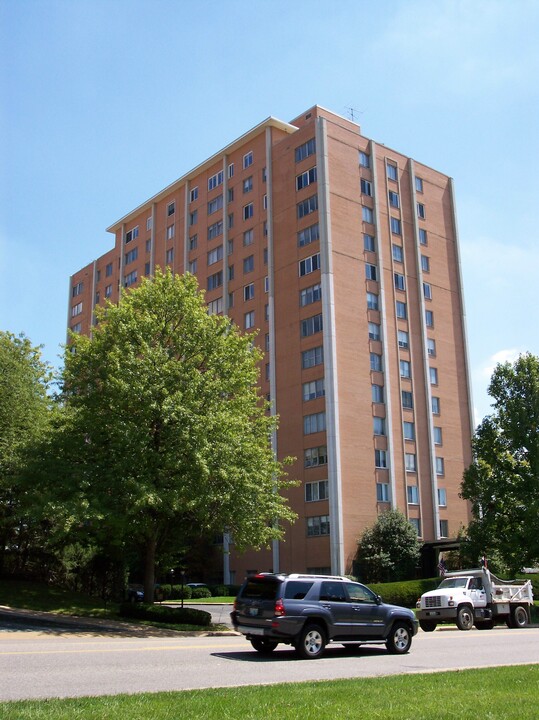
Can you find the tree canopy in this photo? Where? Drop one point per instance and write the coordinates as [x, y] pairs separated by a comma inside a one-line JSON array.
[[503, 481], [388, 550], [164, 428]]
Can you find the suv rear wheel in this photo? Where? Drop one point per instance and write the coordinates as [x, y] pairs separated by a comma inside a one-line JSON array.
[[399, 639], [311, 642], [263, 646]]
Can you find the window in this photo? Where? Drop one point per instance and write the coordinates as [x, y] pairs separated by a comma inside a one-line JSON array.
[[97, 298], [372, 301], [410, 462], [376, 362], [435, 405], [399, 281], [248, 237], [395, 226], [314, 457], [248, 184], [306, 178], [77, 327], [429, 318], [149, 223], [308, 206], [309, 264], [193, 194], [364, 159], [431, 347], [412, 491], [380, 459], [108, 291], [419, 184], [215, 204], [382, 492], [407, 399], [108, 270], [314, 423], [422, 236], [369, 243], [76, 310], [433, 375], [398, 255], [148, 245], [248, 211], [169, 255], [444, 528], [130, 278], [310, 295], [264, 174], [409, 430], [248, 264], [309, 235], [266, 284], [420, 211], [231, 272], [249, 320], [318, 525], [416, 523], [77, 289], [401, 310], [374, 331], [440, 470], [405, 368], [367, 215], [170, 232], [391, 171], [247, 159], [311, 325], [425, 263], [438, 435], [393, 199], [310, 358], [379, 426], [316, 491], [377, 393], [249, 292], [303, 151], [403, 339], [215, 180], [231, 300], [171, 209], [370, 272], [229, 247], [442, 497], [366, 187], [215, 230], [193, 217], [427, 291], [215, 307], [193, 242], [312, 390], [214, 281], [193, 266], [231, 170], [132, 234]]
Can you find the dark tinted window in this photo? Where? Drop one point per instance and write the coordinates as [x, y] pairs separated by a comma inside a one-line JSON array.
[[297, 589], [332, 591], [263, 589], [360, 593]]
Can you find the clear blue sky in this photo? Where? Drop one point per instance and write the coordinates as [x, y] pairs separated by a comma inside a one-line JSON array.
[[105, 102]]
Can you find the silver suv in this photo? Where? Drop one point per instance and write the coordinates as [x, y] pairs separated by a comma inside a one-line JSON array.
[[309, 611]]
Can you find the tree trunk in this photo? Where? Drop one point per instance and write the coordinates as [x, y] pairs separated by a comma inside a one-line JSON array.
[[149, 569]]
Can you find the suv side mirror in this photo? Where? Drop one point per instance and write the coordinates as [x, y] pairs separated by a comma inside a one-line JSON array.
[[379, 600]]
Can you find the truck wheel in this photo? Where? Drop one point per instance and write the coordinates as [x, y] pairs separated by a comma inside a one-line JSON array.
[[465, 617], [311, 642], [428, 625], [519, 616], [399, 639], [264, 647]]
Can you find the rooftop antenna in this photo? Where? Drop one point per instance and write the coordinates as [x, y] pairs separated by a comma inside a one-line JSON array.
[[353, 113]]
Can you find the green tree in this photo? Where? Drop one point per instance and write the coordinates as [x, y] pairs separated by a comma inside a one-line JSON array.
[[25, 413], [389, 549], [503, 481], [164, 429]]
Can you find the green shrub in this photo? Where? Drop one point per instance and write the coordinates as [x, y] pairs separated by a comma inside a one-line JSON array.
[[404, 593], [166, 591], [200, 592], [181, 591], [163, 614], [220, 590]]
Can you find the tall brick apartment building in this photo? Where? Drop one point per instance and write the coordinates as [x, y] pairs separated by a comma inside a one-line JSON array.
[[344, 255]]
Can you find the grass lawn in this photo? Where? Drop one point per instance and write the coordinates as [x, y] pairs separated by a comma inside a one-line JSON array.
[[495, 693]]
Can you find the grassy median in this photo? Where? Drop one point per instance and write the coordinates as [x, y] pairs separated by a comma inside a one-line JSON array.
[[500, 693]]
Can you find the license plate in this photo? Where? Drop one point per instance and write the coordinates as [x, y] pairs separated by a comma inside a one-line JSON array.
[[253, 612]]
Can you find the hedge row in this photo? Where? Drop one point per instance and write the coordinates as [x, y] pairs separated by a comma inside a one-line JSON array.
[[167, 591], [404, 593], [164, 614]]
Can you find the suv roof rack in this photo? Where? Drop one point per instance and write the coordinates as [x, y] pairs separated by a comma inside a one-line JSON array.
[[316, 575]]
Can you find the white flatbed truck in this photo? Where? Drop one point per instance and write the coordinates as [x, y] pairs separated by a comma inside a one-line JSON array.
[[475, 597]]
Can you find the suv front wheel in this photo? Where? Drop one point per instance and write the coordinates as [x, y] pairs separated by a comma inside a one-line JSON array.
[[311, 642], [399, 639]]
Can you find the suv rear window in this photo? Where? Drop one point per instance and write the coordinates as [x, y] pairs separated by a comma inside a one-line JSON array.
[[297, 589], [261, 589]]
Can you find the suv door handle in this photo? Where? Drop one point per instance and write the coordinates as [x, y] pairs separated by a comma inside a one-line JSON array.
[[326, 605]]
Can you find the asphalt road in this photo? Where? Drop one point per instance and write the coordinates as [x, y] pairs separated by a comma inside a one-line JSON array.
[[60, 663]]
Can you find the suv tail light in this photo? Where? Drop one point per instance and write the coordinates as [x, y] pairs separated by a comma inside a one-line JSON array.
[[279, 608]]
